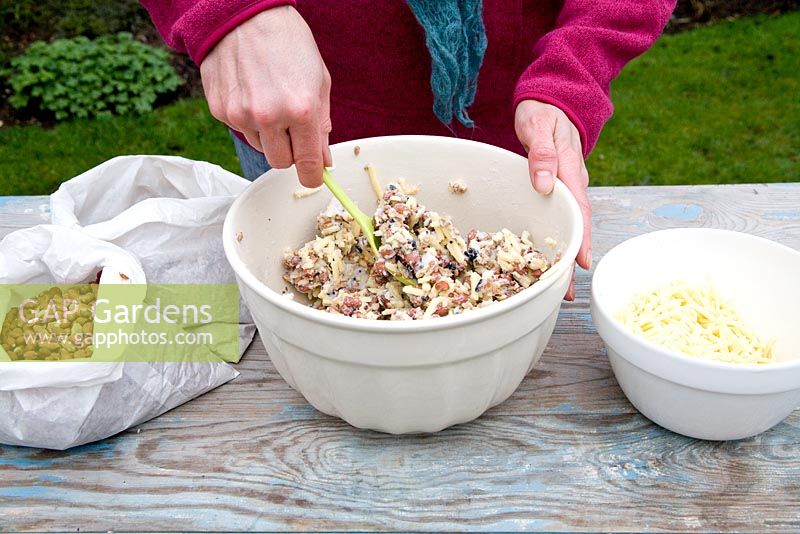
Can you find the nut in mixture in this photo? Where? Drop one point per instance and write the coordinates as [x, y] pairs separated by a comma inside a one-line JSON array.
[[457, 187]]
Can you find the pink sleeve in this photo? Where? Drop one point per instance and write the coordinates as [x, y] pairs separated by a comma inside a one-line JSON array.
[[194, 26], [575, 62]]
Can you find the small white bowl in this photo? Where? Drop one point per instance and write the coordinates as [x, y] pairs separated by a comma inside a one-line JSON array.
[[406, 376], [699, 398]]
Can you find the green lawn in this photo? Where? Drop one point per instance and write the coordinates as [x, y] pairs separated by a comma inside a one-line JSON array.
[[715, 105], [33, 160]]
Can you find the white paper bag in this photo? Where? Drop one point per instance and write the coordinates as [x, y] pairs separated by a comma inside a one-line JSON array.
[[165, 210], [50, 254], [60, 418], [58, 405]]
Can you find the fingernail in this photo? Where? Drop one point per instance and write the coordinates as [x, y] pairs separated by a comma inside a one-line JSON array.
[[589, 260], [544, 179]]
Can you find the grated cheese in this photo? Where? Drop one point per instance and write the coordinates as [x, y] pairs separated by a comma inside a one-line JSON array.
[[373, 180], [694, 321]]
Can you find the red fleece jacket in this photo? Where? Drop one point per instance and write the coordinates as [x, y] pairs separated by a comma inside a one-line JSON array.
[[561, 52]]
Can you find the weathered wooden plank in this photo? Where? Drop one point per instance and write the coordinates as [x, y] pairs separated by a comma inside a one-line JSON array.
[[771, 211], [566, 451], [578, 471], [23, 212]]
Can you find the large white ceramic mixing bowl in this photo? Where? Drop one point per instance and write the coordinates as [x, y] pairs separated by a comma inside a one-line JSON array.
[[406, 376], [700, 398]]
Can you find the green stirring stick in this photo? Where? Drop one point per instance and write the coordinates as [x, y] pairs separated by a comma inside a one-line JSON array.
[[362, 219]]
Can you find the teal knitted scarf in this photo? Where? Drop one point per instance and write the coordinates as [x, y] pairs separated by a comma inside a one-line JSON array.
[[456, 39]]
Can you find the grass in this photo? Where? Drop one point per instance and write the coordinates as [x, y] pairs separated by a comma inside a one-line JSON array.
[[35, 160], [715, 105], [719, 104]]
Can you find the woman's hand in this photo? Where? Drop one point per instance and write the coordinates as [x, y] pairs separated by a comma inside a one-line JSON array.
[[267, 80], [554, 150]]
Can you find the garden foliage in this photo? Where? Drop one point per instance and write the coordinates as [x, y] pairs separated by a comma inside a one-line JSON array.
[[79, 77]]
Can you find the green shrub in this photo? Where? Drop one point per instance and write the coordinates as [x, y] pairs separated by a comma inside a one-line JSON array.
[[110, 75]]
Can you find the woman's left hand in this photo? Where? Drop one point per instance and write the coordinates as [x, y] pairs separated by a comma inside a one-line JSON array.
[[554, 150]]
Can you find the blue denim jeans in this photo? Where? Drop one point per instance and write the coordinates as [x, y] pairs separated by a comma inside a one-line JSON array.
[[253, 162]]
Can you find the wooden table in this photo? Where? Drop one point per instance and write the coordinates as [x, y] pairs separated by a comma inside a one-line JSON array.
[[566, 451]]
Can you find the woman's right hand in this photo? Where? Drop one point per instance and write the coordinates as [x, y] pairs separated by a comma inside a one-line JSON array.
[[266, 79]]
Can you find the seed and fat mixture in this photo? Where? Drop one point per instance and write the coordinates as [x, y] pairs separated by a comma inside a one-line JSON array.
[[340, 274]]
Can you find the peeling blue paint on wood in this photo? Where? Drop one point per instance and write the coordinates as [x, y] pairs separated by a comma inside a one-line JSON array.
[[298, 412], [587, 323], [679, 212], [25, 205], [26, 492], [104, 448], [38, 459], [23, 458], [782, 215], [566, 407]]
